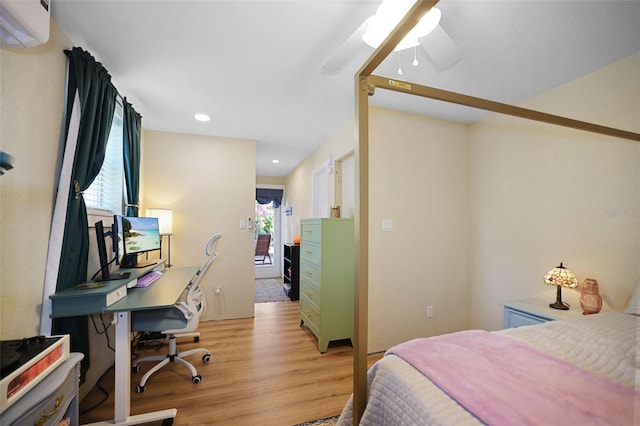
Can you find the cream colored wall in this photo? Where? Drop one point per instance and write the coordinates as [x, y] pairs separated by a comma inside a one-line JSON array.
[[269, 180], [209, 183], [299, 183], [543, 194], [419, 178], [32, 90]]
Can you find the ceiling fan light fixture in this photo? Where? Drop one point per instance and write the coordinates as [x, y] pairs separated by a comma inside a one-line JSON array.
[[387, 16], [202, 117]]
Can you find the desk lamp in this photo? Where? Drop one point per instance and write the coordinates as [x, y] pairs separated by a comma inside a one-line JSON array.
[[165, 220], [560, 277]]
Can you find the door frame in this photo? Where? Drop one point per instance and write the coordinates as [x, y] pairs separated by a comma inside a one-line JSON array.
[[275, 269]]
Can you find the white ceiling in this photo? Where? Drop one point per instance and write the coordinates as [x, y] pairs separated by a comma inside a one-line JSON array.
[[255, 66]]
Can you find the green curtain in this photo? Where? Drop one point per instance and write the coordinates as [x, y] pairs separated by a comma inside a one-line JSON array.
[[132, 125], [89, 81]]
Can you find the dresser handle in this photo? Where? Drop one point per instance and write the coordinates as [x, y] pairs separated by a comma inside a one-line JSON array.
[[308, 293], [308, 231], [44, 416], [308, 251], [309, 273]]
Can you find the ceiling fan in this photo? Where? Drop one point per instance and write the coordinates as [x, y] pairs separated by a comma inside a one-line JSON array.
[[440, 49]]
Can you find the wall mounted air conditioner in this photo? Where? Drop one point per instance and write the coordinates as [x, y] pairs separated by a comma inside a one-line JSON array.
[[24, 23]]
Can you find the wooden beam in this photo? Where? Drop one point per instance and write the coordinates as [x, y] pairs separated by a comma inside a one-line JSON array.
[[488, 105], [361, 225], [361, 207]]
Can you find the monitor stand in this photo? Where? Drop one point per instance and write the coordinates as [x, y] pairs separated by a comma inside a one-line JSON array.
[[143, 264], [114, 276], [132, 261]]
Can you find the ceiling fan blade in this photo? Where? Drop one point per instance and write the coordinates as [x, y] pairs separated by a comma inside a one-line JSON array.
[[441, 50], [345, 52]]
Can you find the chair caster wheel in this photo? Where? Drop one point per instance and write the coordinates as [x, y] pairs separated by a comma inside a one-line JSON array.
[[196, 379], [167, 422], [206, 358], [139, 389], [135, 368], [196, 339]]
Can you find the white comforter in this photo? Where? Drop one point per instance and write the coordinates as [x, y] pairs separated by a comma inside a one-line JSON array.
[[606, 344]]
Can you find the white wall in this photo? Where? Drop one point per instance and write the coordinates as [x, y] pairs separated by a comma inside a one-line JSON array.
[[209, 183], [543, 194]]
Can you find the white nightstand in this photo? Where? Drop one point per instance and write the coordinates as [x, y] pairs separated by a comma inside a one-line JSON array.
[[535, 311]]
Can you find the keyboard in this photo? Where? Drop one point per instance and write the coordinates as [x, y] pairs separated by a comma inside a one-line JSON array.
[[148, 278]]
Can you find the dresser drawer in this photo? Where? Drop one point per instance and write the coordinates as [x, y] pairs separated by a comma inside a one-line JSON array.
[[311, 252], [50, 406], [311, 231], [310, 315], [514, 318], [311, 291], [311, 271]]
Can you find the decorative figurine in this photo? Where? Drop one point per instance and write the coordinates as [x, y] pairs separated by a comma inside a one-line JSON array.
[[590, 300]]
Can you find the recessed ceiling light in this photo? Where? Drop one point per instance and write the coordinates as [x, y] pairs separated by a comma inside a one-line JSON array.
[[202, 117], [275, 161]]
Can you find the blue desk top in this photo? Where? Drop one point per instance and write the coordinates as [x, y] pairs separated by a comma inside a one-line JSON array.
[[161, 294]]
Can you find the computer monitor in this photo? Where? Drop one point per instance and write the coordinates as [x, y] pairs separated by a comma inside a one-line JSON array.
[[101, 236], [137, 235]]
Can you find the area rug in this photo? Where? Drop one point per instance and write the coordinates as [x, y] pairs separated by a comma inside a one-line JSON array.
[[269, 290], [327, 421]]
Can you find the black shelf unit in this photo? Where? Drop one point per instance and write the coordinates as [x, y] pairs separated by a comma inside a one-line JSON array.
[[292, 271]]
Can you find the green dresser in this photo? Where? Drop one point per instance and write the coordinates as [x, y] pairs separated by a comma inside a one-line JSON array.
[[327, 279]]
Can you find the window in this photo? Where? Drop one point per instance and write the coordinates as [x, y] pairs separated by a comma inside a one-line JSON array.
[[106, 191]]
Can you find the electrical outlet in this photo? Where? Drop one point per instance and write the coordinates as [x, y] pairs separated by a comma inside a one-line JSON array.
[[429, 311]]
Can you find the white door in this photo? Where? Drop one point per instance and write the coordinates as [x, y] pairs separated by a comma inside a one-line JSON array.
[[321, 192], [346, 184]]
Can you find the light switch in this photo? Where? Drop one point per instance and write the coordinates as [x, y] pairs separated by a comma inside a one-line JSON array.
[[387, 225], [243, 224]]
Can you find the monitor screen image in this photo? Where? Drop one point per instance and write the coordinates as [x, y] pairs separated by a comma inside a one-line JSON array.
[[141, 234], [137, 235]]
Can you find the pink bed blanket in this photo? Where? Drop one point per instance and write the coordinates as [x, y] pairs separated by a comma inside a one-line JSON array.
[[505, 382]]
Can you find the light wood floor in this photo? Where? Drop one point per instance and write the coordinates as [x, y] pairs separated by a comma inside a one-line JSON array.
[[264, 371]]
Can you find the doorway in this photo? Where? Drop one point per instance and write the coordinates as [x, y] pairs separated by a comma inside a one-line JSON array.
[[267, 220]]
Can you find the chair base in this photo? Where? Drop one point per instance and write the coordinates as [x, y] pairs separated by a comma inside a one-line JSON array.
[[172, 356]]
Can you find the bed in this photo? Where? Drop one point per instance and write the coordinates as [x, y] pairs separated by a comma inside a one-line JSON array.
[[604, 348], [392, 392]]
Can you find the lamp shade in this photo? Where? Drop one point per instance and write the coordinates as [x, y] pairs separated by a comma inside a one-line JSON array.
[[165, 219], [561, 276]]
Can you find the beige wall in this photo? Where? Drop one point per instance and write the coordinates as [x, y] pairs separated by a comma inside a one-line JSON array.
[[419, 178], [298, 192], [414, 160], [31, 110], [543, 194], [209, 183]]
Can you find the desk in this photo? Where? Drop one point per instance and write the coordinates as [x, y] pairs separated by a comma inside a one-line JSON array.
[[161, 294]]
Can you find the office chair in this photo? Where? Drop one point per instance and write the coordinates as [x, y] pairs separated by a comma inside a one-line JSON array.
[[182, 318]]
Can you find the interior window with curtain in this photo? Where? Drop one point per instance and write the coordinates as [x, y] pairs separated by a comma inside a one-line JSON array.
[[106, 192]]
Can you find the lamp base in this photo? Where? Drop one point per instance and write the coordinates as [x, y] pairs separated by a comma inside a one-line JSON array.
[[559, 306]]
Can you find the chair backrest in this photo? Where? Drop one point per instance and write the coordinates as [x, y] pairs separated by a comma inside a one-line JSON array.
[[194, 305], [262, 244]]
